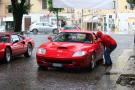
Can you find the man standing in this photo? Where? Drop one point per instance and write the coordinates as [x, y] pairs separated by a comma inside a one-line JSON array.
[[63, 23], [109, 44]]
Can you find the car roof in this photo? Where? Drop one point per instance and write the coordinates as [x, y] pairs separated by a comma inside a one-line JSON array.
[[80, 31], [9, 33], [5, 33]]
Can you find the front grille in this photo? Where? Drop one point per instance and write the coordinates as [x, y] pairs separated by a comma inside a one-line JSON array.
[[58, 61]]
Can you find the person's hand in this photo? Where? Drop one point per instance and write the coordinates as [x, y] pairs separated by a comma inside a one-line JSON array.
[[98, 40]]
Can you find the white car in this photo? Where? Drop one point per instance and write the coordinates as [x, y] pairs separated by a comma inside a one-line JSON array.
[[42, 27], [2, 28]]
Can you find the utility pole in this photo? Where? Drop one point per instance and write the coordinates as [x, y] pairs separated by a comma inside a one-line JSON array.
[[82, 19], [92, 23], [116, 13]]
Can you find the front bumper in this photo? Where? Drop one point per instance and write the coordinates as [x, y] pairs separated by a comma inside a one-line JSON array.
[[70, 63]]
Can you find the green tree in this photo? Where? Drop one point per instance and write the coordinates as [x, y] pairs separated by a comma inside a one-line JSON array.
[[19, 7], [132, 3], [54, 10]]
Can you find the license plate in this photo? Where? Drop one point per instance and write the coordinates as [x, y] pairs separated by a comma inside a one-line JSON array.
[[57, 65]]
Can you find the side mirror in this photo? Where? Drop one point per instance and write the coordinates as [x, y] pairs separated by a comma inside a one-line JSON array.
[[50, 38]]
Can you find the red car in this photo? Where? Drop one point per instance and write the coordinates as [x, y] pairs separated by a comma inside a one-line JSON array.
[[14, 44], [70, 49], [69, 27]]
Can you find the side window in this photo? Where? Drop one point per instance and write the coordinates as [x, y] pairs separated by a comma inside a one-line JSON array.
[[88, 38], [21, 38], [14, 38], [46, 24], [74, 27], [4, 38], [39, 24]]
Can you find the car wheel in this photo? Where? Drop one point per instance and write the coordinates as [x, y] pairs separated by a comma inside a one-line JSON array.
[[35, 31], [8, 55], [93, 62], [55, 31], [29, 51]]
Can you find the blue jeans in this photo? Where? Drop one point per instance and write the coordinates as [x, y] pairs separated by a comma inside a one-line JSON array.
[[107, 53]]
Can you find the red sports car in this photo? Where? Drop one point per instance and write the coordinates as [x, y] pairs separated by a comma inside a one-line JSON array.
[[70, 49], [14, 44]]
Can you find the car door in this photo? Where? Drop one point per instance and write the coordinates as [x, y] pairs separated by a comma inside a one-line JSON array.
[[17, 45], [98, 48], [47, 27], [24, 43], [40, 27]]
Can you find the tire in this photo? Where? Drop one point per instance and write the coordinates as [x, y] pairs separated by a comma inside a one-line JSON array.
[[35, 31], [29, 51], [93, 62], [8, 55], [55, 31]]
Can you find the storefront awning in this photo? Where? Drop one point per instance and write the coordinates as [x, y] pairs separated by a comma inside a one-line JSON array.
[[89, 4]]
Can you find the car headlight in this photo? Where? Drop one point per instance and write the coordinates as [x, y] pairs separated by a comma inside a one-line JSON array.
[[79, 53], [41, 51]]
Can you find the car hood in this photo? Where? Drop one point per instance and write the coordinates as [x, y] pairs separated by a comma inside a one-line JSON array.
[[64, 49]]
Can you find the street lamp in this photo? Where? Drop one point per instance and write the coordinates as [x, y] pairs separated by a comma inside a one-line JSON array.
[[116, 13]]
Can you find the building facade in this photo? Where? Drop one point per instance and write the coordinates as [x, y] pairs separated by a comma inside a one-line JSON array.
[[38, 13], [120, 18]]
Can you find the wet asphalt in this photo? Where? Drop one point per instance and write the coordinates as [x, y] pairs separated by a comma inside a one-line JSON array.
[[23, 73]]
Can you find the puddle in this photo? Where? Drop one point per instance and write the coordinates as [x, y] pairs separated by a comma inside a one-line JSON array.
[[126, 80]]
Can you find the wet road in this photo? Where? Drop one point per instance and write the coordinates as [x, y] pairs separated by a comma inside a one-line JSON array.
[[24, 74]]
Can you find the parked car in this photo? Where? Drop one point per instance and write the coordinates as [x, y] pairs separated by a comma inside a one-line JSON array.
[[70, 49], [2, 29], [42, 27], [69, 27], [12, 44]]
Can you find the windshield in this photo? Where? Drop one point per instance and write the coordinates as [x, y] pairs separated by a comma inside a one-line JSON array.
[[73, 37], [4, 38]]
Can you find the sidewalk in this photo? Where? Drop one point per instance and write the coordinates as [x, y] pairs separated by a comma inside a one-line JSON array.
[[125, 67], [120, 32]]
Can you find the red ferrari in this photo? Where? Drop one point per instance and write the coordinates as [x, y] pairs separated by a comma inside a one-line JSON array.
[[70, 49], [14, 44]]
